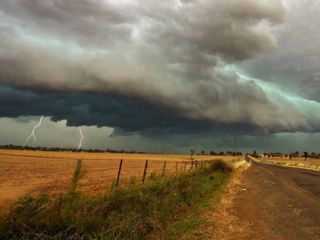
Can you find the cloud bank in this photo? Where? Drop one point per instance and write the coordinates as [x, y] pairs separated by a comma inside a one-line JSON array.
[[146, 66]]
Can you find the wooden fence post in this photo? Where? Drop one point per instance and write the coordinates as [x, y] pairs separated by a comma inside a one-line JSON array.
[[164, 168], [76, 176], [176, 168], [192, 165], [185, 165], [145, 171], [119, 172]]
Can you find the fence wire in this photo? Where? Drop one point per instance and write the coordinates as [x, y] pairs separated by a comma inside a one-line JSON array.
[[54, 175]]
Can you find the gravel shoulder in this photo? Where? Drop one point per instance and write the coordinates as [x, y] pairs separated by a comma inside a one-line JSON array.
[[269, 202]]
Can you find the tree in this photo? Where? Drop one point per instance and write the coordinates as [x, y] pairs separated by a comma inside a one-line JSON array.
[[305, 155], [254, 154], [192, 151], [290, 156]]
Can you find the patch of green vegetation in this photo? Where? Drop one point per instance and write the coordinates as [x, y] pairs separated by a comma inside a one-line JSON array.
[[186, 227], [131, 212]]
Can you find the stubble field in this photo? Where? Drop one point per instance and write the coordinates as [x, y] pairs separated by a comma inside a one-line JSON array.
[[297, 162], [23, 171]]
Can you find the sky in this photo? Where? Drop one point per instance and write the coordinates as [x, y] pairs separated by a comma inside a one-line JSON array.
[[161, 76]]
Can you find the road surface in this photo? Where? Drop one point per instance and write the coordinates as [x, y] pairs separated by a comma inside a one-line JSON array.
[[279, 203]]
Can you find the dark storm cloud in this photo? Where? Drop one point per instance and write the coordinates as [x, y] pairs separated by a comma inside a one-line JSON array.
[[93, 109], [127, 115], [135, 65]]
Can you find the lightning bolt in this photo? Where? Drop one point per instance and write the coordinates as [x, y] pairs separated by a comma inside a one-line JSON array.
[[33, 133], [81, 138]]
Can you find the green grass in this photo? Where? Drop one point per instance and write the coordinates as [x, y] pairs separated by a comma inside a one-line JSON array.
[[162, 207], [186, 227]]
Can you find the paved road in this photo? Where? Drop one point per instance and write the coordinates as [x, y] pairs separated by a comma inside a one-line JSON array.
[[280, 203]]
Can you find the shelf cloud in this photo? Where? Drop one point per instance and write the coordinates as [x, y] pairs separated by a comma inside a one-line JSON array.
[[185, 66]]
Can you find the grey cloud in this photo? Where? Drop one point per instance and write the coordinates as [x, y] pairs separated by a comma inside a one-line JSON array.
[[165, 54], [88, 22], [295, 66], [225, 28], [272, 10]]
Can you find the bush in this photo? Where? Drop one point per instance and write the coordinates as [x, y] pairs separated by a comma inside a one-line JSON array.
[[220, 165]]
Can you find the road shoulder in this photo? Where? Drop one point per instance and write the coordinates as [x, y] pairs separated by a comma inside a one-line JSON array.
[[221, 221]]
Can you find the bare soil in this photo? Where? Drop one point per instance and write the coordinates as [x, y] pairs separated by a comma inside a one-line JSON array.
[[269, 202]]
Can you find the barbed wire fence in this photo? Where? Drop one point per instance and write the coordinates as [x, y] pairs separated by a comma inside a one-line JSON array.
[[55, 175], [148, 169]]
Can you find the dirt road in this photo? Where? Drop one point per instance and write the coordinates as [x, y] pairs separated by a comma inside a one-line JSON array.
[[278, 203]]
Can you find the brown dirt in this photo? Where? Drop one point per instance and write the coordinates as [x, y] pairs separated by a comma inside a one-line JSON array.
[[221, 222], [269, 203]]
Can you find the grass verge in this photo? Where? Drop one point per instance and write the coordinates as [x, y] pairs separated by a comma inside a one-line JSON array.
[[161, 207]]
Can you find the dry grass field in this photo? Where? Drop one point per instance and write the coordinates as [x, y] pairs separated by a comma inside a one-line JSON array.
[[24, 171], [300, 162]]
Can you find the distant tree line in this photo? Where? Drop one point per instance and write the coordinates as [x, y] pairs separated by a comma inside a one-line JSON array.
[[59, 149], [227, 153], [306, 155]]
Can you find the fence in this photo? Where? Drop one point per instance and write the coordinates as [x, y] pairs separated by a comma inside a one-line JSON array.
[[53, 174], [150, 168]]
